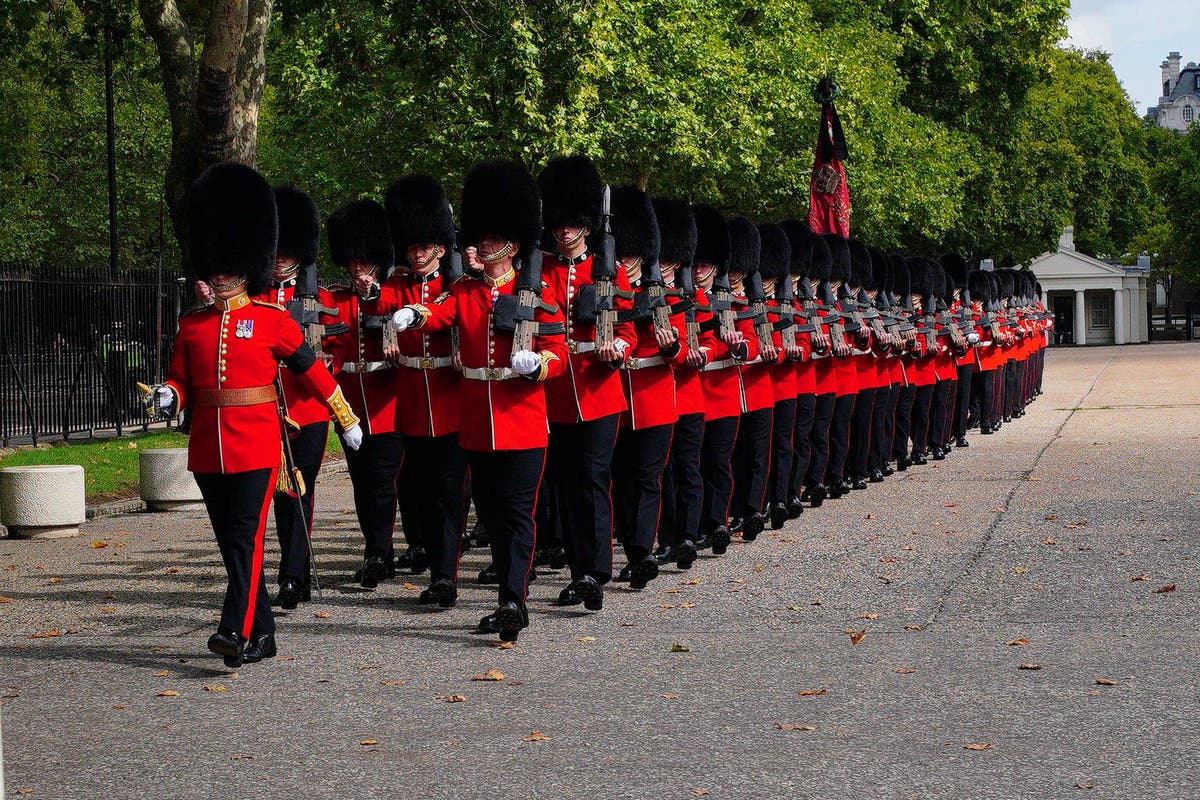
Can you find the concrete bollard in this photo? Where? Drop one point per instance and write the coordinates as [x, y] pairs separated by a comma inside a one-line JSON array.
[[45, 502], [166, 484]]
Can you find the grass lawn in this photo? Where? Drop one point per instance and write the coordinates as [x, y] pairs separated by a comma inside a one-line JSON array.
[[110, 466]]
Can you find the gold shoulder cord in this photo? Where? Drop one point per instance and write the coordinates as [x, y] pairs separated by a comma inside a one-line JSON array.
[[341, 409]]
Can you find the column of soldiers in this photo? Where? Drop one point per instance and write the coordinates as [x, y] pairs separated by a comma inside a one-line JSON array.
[[589, 366]]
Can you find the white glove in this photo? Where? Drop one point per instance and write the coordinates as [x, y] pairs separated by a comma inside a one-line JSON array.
[[525, 362], [164, 397], [621, 346], [352, 437], [403, 319], [972, 338]]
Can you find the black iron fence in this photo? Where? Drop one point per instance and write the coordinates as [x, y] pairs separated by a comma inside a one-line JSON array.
[[73, 345]]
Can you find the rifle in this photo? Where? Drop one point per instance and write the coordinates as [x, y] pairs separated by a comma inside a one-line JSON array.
[[305, 307], [785, 322], [810, 307], [656, 291], [529, 297], [722, 306], [757, 300], [836, 319], [687, 291], [604, 273]]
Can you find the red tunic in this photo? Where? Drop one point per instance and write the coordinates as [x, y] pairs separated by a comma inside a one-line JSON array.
[[238, 348], [302, 406], [504, 414], [372, 394], [426, 380], [758, 391], [650, 389], [689, 391], [783, 374], [721, 377], [589, 389]]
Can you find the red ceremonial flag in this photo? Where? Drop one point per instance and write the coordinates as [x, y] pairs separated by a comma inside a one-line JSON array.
[[828, 194]]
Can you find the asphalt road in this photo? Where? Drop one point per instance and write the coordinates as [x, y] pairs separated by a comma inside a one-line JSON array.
[[1049, 544]]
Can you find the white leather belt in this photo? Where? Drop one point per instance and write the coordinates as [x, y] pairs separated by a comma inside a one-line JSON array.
[[425, 362], [724, 363], [580, 347], [489, 373], [363, 367], [642, 363]]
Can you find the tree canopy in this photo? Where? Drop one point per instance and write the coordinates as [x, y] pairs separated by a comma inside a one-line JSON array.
[[969, 128]]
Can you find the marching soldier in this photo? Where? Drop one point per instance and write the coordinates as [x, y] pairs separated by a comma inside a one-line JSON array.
[[223, 369], [584, 406], [308, 418], [861, 278], [826, 374], [960, 310], [644, 441], [845, 366], [510, 341], [359, 243], [683, 487], [433, 469]]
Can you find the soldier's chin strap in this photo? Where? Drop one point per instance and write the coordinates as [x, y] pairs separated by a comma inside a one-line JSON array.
[[503, 252]]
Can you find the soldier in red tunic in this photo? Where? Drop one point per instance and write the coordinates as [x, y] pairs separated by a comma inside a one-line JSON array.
[[825, 373], [223, 367], [960, 310], [510, 340], [644, 441], [360, 244], [585, 404], [865, 358], [433, 471], [295, 269], [683, 487]]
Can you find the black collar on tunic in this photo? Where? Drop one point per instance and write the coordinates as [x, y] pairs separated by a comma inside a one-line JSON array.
[[573, 262]]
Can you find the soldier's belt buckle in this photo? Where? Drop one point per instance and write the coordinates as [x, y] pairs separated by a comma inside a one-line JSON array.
[[572, 347], [634, 363], [426, 363], [493, 373], [360, 366]]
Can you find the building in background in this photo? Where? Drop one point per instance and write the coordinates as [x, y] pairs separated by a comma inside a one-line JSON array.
[[1179, 105], [1093, 302]]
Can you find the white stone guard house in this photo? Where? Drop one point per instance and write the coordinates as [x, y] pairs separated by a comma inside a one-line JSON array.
[[1093, 302]]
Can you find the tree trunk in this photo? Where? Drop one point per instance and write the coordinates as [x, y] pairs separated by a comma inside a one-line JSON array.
[[251, 77], [217, 82]]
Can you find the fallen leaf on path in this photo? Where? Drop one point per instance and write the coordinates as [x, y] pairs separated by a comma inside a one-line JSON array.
[[856, 636], [1033, 478], [536, 736], [1170, 587], [241, 757], [24, 790], [1017, 642], [586, 639], [50, 634], [867, 616], [913, 628], [905, 671], [978, 746], [949, 505], [692, 582], [1085, 786], [99, 544], [680, 648], [162, 673], [167, 693], [1093, 693], [700, 792], [368, 742], [1105, 682], [1142, 577], [4, 599], [812, 692], [670, 696], [889, 560], [788, 726], [502, 645], [1049, 540], [1052, 517], [391, 682], [452, 698], [687, 605], [1125, 553], [321, 615], [55, 580], [411, 587], [490, 675], [214, 687], [758, 568], [1020, 570], [1030, 665]]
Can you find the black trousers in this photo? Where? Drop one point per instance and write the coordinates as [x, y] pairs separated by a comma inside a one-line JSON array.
[[962, 400], [504, 484], [839, 436], [905, 399], [683, 488], [819, 438], [939, 413], [1011, 373], [879, 428], [638, 464], [752, 461], [806, 409], [987, 397], [294, 516], [579, 471], [890, 415], [716, 471], [433, 476], [237, 504], [373, 469], [922, 401], [782, 451], [860, 432]]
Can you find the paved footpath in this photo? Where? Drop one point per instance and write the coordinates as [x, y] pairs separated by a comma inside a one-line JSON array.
[[1052, 543]]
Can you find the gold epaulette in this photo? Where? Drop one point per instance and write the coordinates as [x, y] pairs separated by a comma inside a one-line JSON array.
[[268, 305]]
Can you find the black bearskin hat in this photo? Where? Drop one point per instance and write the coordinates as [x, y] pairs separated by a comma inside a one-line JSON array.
[[233, 226], [839, 251], [299, 225], [880, 270], [418, 213], [1008, 285], [801, 240], [822, 260], [677, 230], [776, 257], [956, 268], [920, 276], [745, 246], [572, 193], [979, 286], [358, 231], [940, 280], [500, 199], [860, 264], [901, 279], [634, 226], [712, 238]]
